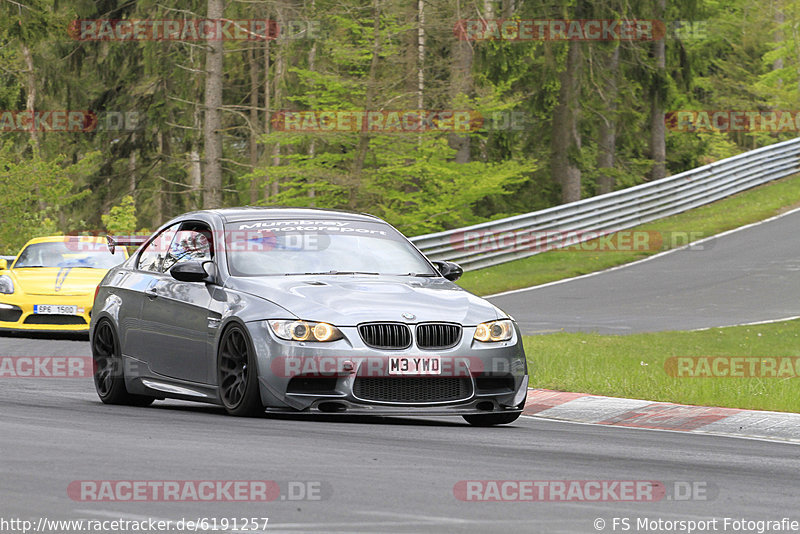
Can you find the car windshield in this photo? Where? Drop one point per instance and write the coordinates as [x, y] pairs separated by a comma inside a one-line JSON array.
[[69, 253], [331, 247]]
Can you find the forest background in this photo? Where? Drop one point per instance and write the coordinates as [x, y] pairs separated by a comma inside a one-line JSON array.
[[182, 124]]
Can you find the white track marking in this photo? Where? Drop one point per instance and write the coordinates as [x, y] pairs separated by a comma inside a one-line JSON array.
[[654, 256]]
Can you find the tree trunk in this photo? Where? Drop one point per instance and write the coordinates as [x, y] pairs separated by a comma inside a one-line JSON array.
[[195, 164], [420, 54], [607, 141], [267, 103], [158, 216], [566, 138], [132, 168], [658, 130], [363, 137], [254, 126], [509, 6], [30, 94], [280, 71], [778, 38], [312, 59], [30, 107], [212, 194], [461, 82]]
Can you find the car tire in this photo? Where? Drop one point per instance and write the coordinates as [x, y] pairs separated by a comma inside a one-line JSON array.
[[491, 419], [237, 374], [108, 369]]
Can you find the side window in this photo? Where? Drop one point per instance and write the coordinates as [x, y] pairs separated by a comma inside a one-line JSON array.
[[191, 243], [153, 256]]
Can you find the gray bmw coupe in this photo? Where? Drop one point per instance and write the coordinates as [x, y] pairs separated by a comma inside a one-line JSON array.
[[300, 311]]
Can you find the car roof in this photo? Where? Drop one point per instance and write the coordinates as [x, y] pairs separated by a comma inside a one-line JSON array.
[[249, 213]]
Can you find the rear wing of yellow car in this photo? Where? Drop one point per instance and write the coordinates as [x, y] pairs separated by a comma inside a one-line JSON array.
[[124, 241]]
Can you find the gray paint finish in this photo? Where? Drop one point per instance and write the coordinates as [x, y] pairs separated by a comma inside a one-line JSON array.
[[172, 330]]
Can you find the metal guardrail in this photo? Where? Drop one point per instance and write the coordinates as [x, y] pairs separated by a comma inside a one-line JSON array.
[[495, 242]]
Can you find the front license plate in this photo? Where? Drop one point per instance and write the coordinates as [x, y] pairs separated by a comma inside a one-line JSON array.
[[415, 365], [54, 309]]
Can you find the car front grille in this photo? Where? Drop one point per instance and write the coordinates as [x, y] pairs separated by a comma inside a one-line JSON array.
[[408, 390], [54, 319], [438, 335], [385, 335]]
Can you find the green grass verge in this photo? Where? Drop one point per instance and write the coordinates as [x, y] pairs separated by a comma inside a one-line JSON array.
[[744, 208], [633, 365]]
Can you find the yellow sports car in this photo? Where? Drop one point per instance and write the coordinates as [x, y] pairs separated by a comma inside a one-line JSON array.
[[51, 283]]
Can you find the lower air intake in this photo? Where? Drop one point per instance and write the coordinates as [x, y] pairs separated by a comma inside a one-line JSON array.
[[55, 319], [409, 390]]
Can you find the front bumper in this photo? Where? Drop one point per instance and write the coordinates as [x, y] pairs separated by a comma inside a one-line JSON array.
[[16, 313], [324, 377], [343, 406]]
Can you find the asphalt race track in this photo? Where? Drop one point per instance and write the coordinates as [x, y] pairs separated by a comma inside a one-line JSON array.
[[746, 276], [371, 475]]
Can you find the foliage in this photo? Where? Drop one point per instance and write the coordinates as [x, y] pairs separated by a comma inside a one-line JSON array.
[[121, 219], [34, 192], [733, 55]]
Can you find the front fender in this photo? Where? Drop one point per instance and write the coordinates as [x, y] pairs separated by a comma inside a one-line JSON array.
[[106, 305]]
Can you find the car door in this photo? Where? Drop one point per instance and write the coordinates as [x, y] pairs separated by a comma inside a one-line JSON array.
[[175, 314], [133, 284]]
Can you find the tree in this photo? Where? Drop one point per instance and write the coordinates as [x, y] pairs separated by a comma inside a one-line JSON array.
[[212, 172], [566, 136], [121, 219], [658, 89], [589, 116], [32, 193]]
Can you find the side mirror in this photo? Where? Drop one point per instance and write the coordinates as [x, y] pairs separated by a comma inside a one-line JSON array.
[[451, 271], [3, 265], [191, 271]]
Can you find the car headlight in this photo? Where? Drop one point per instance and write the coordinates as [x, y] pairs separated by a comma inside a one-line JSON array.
[[501, 330], [6, 284], [294, 330]]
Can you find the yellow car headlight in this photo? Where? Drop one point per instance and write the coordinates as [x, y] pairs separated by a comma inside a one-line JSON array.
[[296, 330], [491, 331], [6, 285]]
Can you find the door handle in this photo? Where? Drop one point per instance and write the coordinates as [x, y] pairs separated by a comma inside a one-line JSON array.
[[151, 292]]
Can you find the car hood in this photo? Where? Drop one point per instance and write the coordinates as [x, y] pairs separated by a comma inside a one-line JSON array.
[[345, 300], [66, 281]]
